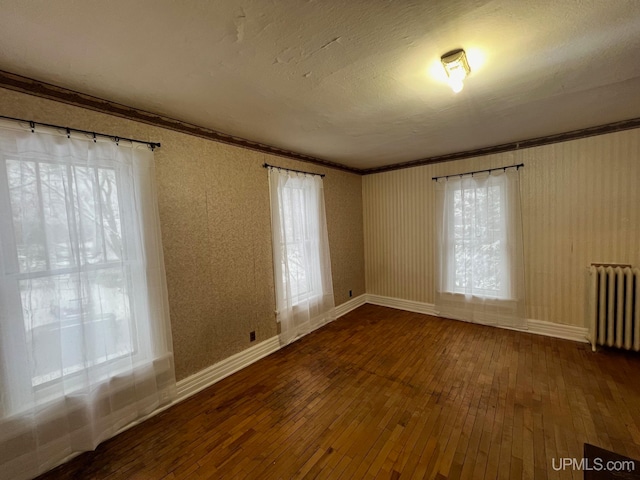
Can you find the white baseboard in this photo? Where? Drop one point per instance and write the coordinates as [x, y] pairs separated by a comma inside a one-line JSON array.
[[352, 304], [558, 330], [210, 375], [538, 327], [401, 304]]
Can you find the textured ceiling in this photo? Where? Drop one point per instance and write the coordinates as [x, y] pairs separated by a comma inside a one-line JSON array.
[[356, 82]]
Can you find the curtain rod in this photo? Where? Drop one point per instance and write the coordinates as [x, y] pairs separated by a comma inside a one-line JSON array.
[[480, 171], [116, 139], [266, 165]]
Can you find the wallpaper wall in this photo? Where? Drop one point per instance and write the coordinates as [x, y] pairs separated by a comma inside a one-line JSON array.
[[580, 202], [214, 212]]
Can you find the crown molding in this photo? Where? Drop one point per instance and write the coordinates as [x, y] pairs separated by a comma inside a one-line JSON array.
[[37, 88], [512, 146]]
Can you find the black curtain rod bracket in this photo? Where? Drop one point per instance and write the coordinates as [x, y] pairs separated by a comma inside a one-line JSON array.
[[266, 165], [520, 165], [68, 130]]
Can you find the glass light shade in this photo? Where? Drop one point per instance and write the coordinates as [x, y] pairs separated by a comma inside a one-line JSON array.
[[457, 68]]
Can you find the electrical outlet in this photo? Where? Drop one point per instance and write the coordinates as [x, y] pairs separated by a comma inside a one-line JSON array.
[[252, 336], [350, 293]]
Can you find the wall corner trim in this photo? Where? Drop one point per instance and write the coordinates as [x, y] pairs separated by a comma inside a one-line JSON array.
[[538, 327]]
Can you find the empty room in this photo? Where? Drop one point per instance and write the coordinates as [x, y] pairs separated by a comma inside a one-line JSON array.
[[319, 239]]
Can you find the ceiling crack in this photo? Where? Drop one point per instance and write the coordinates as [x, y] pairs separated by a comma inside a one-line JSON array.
[[239, 22]]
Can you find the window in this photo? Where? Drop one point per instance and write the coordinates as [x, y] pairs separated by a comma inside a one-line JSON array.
[[67, 262], [298, 246], [85, 339], [302, 266], [479, 260]]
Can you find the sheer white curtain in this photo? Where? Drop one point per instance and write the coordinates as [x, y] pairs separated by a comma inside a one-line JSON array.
[[479, 255], [85, 340], [302, 265]]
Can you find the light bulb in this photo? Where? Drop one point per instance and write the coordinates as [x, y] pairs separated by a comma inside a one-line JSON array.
[[456, 85]]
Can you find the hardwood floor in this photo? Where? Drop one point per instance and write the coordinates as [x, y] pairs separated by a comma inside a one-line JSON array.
[[382, 393]]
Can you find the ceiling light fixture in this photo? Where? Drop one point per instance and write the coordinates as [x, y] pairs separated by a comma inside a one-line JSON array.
[[457, 68]]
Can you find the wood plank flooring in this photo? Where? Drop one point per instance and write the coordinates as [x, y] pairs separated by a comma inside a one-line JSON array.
[[382, 393]]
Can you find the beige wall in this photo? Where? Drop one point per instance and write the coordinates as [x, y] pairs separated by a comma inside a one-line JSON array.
[[580, 201], [214, 212]]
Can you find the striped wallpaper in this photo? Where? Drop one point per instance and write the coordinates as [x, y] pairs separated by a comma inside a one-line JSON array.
[[580, 202]]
